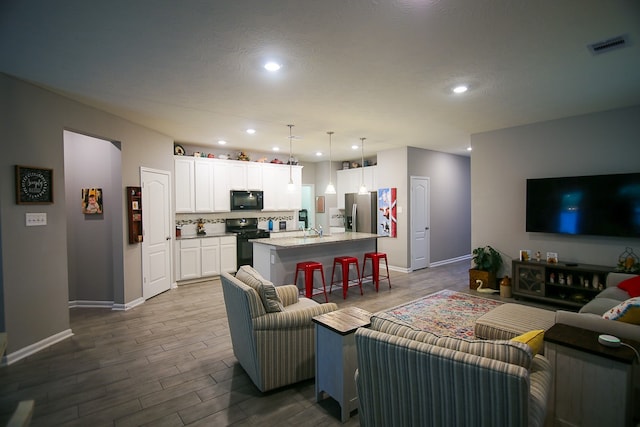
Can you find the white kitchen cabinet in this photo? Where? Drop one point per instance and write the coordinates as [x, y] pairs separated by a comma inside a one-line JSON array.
[[228, 254], [205, 257], [189, 259], [349, 181], [184, 184], [221, 186], [237, 175], [204, 186], [254, 176], [275, 179], [210, 256]]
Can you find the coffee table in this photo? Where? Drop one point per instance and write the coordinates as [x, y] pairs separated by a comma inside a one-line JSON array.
[[336, 358]]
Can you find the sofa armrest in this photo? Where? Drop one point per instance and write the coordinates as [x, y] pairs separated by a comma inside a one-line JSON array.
[[291, 319], [593, 322], [288, 294]]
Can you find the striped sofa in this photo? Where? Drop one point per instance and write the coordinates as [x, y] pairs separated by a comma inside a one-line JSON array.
[[408, 377], [275, 348]]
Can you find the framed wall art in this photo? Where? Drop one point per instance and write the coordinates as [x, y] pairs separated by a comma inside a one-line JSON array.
[[91, 201], [34, 185]]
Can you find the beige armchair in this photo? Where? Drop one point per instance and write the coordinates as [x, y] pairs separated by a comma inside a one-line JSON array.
[[275, 347]]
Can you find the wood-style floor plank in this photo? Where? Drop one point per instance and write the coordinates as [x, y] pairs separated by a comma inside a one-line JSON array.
[[169, 362]]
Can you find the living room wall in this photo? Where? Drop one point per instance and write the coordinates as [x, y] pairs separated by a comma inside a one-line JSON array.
[[34, 276], [502, 160]]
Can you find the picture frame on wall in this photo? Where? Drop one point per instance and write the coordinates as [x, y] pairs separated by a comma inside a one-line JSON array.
[[92, 201], [320, 204], [34, 185]]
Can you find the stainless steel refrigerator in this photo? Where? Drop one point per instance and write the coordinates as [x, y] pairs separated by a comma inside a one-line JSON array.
[[361, 212]]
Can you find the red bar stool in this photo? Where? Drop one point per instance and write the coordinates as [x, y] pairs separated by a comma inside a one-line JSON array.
[[308, 268], [345, 263], [375, 258]]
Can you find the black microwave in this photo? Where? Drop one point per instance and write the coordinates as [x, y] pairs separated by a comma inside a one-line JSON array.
[[246, 200]]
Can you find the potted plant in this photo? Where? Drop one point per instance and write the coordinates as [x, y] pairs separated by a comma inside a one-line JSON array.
[[487, 261]]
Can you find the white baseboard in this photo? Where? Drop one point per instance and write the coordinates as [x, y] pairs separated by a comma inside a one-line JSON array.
[[36, 347], [90, 304], [129, 305], [450, 261]]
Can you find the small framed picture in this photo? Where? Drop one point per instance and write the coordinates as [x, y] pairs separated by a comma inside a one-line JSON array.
[[134, 205], [92, 201], [552, 257], [34, 185], [525, 255]]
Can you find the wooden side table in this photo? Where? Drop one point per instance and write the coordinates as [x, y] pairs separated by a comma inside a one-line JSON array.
[[336, 359], [593, 384]]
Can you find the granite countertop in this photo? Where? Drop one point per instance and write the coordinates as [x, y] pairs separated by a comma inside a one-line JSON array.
[[314, 240], [203, 236]]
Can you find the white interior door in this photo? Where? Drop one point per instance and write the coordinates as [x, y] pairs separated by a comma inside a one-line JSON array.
[[156, 224], [420, 233]]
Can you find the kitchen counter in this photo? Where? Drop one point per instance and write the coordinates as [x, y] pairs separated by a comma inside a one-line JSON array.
[[203, 236], [276, 258], [313, 240]]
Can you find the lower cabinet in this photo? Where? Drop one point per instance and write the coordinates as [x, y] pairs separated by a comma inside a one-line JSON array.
[[204, 257]]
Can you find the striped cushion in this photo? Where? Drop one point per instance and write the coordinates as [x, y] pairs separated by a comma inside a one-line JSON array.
[[266, 290], [506, 351], [509, 320]]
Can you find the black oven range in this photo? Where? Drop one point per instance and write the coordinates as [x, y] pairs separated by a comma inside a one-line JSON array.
[[245, 229]]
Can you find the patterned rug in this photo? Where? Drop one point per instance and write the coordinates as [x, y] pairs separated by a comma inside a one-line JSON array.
[[444, 313]]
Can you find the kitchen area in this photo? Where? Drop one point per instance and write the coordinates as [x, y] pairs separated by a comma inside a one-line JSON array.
[[229, 211]]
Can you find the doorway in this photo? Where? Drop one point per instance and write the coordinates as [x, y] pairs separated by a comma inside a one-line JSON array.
[[309, 203], [420, 232]]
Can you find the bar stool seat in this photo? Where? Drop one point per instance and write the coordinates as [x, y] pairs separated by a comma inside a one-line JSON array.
[[345, 263], [375, 258], [308, 268]]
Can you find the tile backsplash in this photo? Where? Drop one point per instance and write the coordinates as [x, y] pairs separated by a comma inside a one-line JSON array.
[[215, 223]]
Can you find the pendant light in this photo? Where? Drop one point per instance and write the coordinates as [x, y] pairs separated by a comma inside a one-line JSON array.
[[290, 187], [330, 188], [363, 188]]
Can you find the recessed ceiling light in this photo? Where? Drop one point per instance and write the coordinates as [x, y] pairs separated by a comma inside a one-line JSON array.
[[318, 154], [276, 148], [272, 66], [354, 147], [460, 89], [222, 142], [251, 131]]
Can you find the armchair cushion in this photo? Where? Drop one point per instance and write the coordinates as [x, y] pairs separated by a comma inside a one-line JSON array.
[[270, 298]]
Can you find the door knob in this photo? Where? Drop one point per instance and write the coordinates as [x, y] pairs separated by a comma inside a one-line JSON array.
[[169, 238], [426, 228]]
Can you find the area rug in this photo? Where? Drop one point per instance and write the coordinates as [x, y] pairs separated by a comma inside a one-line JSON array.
[[444, 313]]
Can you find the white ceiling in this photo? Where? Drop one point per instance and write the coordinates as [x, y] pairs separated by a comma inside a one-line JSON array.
[[380, 69]]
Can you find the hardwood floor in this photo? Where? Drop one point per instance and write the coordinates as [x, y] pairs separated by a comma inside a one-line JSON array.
[[169, 362]]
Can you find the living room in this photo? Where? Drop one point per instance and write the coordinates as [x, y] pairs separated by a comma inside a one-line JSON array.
[[34, 264]]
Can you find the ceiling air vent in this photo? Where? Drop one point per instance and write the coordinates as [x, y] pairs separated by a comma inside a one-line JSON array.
[[608, 45]]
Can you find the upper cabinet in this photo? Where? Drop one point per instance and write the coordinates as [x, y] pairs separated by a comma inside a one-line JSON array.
[[185, 184], [349, 181], [203, 185]]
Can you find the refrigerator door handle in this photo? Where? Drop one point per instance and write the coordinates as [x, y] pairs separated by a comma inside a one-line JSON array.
[[354, 222]]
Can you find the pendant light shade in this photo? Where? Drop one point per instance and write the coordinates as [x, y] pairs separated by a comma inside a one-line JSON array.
[[363, 188], [290, 187], [330, 188]]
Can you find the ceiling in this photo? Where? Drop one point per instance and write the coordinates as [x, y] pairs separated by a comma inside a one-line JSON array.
[[379, 69]]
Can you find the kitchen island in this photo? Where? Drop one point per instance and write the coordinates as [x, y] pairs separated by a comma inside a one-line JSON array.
[[276, 259]]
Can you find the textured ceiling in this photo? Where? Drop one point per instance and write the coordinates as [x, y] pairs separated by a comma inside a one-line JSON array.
[[376, 69]]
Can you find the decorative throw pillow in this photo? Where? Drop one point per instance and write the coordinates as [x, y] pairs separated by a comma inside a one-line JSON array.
[[268, 294], [628, 312], [631, 286], [534, 339]]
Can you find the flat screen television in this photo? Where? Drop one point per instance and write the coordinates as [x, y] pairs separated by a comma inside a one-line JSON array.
[[599, 205]]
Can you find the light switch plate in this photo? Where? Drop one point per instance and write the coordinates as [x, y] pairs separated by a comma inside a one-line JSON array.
[[35, 219]]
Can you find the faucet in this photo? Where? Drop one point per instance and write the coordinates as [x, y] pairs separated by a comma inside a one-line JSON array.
[[318, 231]]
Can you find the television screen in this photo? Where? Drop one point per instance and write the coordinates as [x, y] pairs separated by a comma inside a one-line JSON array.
[[601, 205]]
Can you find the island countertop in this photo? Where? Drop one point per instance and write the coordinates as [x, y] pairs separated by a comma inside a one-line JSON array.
[[314, 240]]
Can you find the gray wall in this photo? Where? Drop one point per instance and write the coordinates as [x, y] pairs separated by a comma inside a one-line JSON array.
[[92, 240], [502, 160], [35, 281]]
